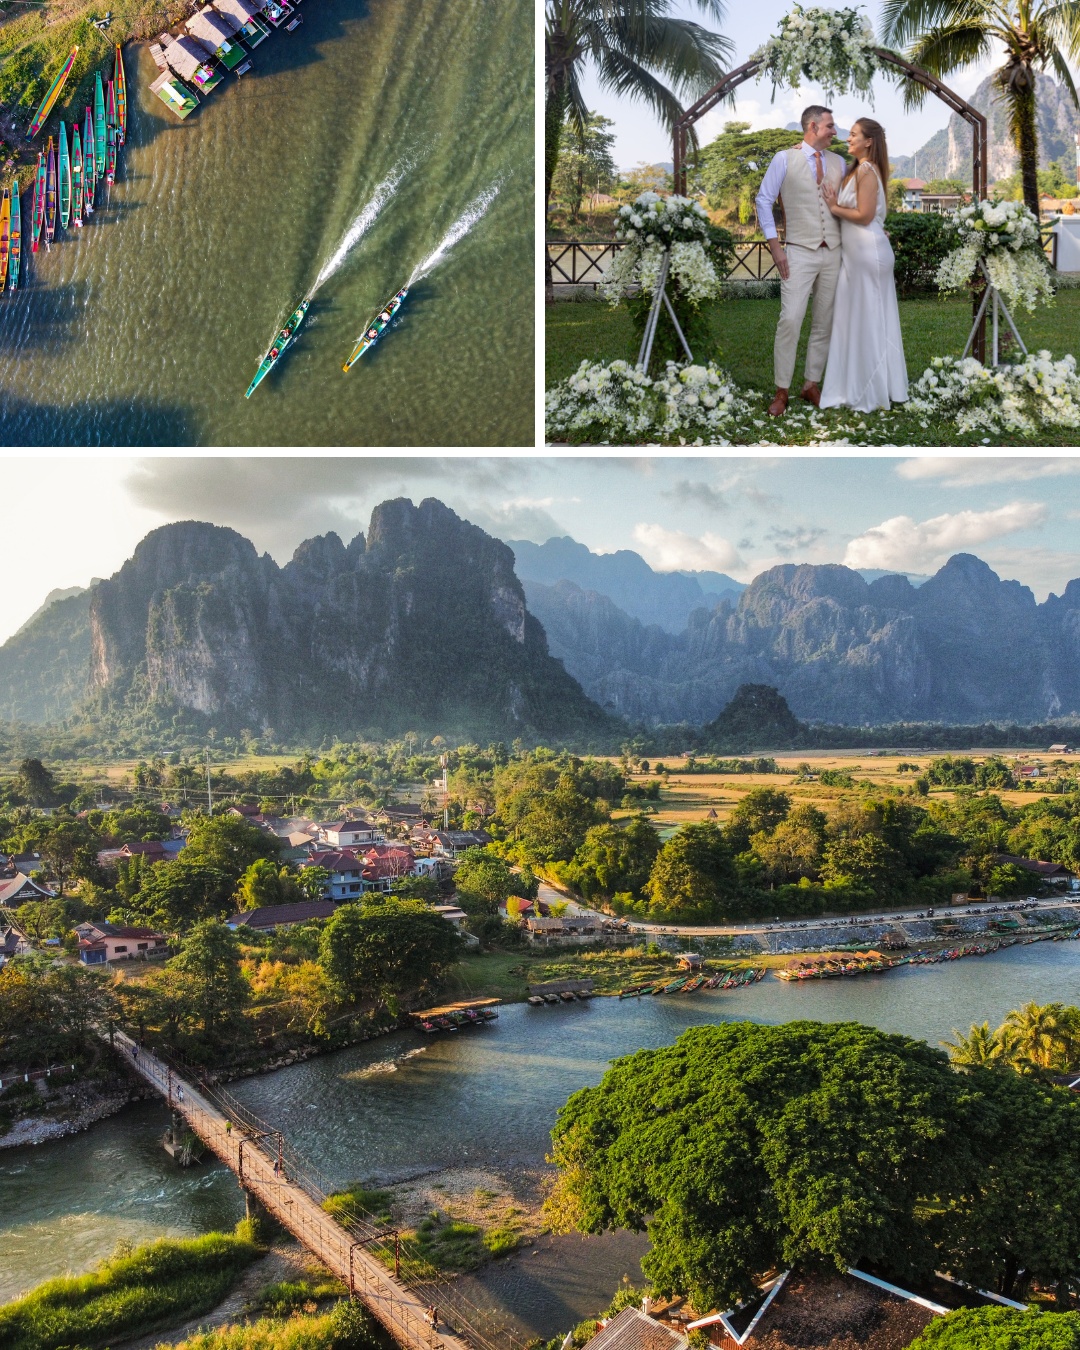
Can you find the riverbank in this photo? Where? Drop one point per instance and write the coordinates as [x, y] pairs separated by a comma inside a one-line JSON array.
[[51, 1108]]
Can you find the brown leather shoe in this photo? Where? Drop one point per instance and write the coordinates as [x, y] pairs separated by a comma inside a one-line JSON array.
[[778, 407], [811, 393]]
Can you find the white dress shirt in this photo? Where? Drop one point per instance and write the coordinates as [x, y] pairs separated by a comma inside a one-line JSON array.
[[774, 181]]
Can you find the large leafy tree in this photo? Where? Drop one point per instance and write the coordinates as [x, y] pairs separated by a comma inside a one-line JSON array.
[[638, 49], [694, 873], [484, 881], [744, 1148], [1001, 1329], [614, 860], [585, 162], [230, 842], [215, 992], [943, 36], [372, 953], [175, 895]]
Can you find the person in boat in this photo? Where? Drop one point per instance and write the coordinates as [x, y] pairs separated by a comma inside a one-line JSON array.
[[385, 316], [373, 333]]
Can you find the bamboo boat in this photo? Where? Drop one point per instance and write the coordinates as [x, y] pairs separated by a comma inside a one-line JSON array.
[[50, 194], [5, 236], [99, 128], [53, 94], [37, 214], [76, 178], [65, 179], [89, 168], [16, 238], [277, 347], [376, 328], [110, 136], [121, 96]]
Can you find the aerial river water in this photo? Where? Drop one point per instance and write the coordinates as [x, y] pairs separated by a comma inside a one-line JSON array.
[[477, 1098], [381, 141]]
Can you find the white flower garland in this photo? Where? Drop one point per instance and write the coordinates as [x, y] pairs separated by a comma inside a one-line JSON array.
[[1005, 236], [1020, 398], [652, 226], [835, 48], [628, 404]]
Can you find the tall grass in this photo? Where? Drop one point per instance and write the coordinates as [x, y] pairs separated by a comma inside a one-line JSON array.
[[348, 1327], [147, 1289]]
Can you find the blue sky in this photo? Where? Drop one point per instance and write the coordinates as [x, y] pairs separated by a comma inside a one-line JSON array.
[[640, 136], [730, 514]]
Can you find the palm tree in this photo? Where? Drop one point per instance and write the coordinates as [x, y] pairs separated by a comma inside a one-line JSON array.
[[946, 35], [635, 46], [980, 1048], [1039, 1034]]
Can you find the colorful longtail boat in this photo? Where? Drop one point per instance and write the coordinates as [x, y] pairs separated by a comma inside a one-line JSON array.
[[65, 179], [76, 178], [121, 96], [5, 236], [278, 346], [110, 136], [376, 328], [16, 238], [99, 128], [51, 97], [89, 167], [50, 194], [37, 217]]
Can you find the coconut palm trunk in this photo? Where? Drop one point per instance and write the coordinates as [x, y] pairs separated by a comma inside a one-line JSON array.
[[1025, 134]]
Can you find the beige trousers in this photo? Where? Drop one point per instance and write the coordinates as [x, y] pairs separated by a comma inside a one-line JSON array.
[[813, 271]]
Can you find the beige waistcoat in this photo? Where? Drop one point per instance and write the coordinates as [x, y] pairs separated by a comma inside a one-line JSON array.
[[807, 219]]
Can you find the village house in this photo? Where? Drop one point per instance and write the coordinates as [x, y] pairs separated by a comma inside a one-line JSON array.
[[1061, 750], [1056, 874], [354, 871], [350, 833], [447, 843], [19, 889], [100, 942], [153, 850], [269, 918], [13, 942]]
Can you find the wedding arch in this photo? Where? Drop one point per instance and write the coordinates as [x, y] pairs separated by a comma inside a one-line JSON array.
[[756, 66]]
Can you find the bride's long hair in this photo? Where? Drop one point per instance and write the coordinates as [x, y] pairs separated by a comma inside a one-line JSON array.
[[879, 151]]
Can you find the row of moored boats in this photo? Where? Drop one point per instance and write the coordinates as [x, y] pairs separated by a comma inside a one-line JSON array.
[[455, 1018], [564, 996], [69, 170], [690, 984]]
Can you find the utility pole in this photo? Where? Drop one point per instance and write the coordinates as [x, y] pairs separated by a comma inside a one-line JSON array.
[[209, 794]]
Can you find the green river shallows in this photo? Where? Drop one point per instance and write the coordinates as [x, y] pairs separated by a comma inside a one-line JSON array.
[[413, 118]]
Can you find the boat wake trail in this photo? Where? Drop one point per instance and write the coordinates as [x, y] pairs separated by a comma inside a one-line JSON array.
[[461, 227], [362, 224]]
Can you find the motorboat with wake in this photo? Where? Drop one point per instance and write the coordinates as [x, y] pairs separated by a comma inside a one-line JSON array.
[[277, 347], [376, 328]]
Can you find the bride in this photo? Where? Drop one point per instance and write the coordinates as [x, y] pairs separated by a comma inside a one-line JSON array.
[[866, 369]]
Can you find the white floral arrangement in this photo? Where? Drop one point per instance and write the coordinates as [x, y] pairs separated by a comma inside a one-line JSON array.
[[1021, 398], [652, 226], [834, 48], [624, 402], [1005, 237]]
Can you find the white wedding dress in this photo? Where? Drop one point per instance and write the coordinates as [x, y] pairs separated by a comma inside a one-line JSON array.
[[866, 368]]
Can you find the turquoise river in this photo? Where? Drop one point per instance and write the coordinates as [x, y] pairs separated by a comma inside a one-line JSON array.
[[381, 141], [478, 1098]]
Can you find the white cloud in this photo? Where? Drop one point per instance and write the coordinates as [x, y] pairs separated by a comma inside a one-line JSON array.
[[958, 471], [907, 545], [674, 551]]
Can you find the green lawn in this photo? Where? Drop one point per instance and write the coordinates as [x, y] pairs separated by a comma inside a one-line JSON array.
[[741, 343]]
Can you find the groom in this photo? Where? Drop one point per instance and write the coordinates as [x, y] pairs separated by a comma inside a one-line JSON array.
[[810, 264]]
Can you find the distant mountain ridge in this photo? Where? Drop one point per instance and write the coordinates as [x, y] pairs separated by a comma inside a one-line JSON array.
[[964, 647], [947, 154], [663, 598], [420, 623]]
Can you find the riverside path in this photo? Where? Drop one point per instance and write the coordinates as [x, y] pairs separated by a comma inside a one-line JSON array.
[[271, 1172]]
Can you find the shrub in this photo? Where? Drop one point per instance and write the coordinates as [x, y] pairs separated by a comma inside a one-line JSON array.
[[920, 244], [1001, 1329], [347, 1327]]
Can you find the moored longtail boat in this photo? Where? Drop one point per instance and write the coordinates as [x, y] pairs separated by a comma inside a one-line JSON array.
[[65, 179], [121, 96], [37, 214], [50, 194], [110, 137], [278, 346], [89, 168], [5, 236], [99, 128], [76, 178], [51, 97], [376, 327], [16, 238]]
